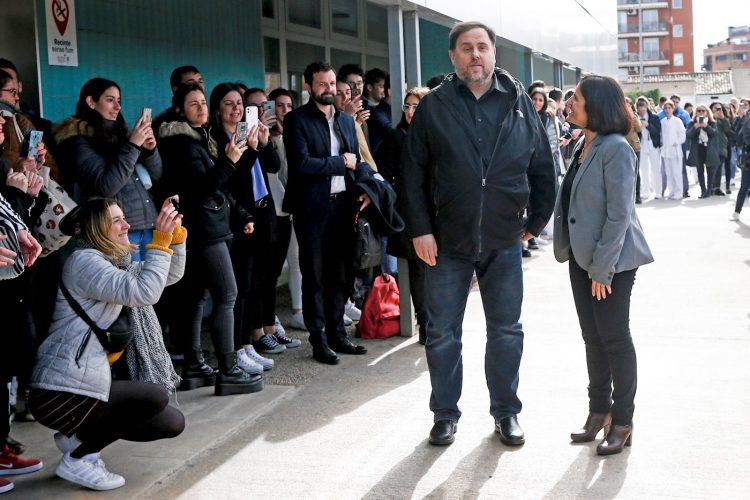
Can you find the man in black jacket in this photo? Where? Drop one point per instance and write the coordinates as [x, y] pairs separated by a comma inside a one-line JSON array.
[[321, 147], [475, 157]]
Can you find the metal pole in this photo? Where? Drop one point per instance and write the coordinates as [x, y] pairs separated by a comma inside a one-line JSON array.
[[640, 44]]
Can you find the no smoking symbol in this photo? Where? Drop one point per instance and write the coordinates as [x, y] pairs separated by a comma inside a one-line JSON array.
[[61, 14]]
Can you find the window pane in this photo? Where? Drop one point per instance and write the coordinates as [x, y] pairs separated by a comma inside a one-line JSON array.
[[269, 9], [304, 13], [344, 17], [299, 55], [377, 62], [651, 70], [676, 4], [341, 57], [377, 24], [677, 31], [271, 55], [678, 59]]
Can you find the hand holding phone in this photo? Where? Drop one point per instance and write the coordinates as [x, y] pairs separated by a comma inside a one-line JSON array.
[[242, 129], [30, 144], [146, 115]]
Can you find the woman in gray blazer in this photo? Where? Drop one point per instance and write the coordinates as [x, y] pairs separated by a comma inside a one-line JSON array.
[[597, 231]]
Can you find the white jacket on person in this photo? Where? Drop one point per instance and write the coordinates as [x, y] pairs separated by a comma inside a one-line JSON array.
[[64, 362], [672, 137]]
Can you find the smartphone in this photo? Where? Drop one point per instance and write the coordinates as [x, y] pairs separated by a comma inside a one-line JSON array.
[[146, 114], [269, 106], [30, 144], [355, 90], [175, 204], [251, 116], [701, 119], [240, 133]]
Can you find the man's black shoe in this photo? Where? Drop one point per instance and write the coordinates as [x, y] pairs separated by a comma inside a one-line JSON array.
[[345, 346], [526, 252], [510, 432], [325, 355], [442, 432]]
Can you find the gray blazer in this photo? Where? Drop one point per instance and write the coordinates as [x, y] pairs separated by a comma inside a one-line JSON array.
[[604, 233]]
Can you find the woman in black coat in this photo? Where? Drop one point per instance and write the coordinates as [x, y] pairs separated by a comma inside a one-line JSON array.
[[97, 147], [704, 148], [388, 159], [197, 173]]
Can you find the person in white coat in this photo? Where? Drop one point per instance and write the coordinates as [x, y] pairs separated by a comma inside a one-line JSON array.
[[650, 154], [673, 136]]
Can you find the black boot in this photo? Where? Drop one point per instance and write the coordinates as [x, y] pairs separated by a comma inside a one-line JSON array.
[[231, 378], [195, 372]]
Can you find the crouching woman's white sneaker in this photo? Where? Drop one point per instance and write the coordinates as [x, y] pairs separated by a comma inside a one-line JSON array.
[[88, 471]]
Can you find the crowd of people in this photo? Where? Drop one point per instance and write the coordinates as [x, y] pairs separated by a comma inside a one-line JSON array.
[[212, 196]]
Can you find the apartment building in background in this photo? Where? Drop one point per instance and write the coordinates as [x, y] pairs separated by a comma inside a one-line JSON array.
[[654, 36], [730, 53]]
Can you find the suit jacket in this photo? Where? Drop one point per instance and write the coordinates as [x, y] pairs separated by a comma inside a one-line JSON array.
[[310, 161], [604, 233]]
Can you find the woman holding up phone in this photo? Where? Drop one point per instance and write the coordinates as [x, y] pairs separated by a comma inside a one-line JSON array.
[[196, 171], [704, 149], [102, 153], [252, 251]]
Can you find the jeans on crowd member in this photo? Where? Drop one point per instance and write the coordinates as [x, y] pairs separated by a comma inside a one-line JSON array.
[[610, 354], [389, 263], [742, 193], [447, 287], [417, 271], [135, 411], [208, 271], [140, 238]]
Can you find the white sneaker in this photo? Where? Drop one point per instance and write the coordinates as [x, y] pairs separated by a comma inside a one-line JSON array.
[[278, 326], [66, 444], [88, 471], [351, 310], [736, 216], [298, 321], [347, 320], [253, 355], [247, 365]]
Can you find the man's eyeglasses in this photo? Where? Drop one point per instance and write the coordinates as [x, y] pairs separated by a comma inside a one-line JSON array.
[[409, 107], [13, 92]]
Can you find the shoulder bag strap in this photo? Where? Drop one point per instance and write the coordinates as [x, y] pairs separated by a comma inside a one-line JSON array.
[[100, 334]]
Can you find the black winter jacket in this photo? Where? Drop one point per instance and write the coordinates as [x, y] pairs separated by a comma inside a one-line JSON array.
[[712, 152], [108, 169], [654, 129], [192, 172], [447, 191]]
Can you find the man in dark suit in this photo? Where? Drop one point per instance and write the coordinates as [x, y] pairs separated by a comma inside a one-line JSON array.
[[321, 146]]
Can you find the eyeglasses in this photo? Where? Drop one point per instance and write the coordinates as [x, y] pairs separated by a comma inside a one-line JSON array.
[[716, 110], [409, 107], [12, 92], [701, 111]]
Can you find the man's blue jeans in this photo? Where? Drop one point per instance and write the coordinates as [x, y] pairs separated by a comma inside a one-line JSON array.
[[447, 287]]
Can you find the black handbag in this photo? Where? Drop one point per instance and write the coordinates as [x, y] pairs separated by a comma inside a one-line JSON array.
[[116, 337], [367, 249]]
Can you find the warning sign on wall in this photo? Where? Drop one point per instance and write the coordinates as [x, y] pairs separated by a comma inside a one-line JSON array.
[[62, 45]]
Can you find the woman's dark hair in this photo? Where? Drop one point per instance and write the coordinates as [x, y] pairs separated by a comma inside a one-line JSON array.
[[95, 88], [279, 92], [179, 96], [605, 105], [540, 90], [214, 107]]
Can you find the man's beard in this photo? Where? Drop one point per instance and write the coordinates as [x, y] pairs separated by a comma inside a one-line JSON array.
[[467, 77], [325, 99]]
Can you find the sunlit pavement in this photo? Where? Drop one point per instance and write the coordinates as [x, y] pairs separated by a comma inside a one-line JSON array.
[[360, 429]]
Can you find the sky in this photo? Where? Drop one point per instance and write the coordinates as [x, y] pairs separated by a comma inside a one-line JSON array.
[[711, 18]]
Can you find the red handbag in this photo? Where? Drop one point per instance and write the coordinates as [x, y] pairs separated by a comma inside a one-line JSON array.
[[381, 312]]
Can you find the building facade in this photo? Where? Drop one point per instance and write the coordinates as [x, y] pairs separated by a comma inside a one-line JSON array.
[[731, 53], [654, 37], [267, 43]]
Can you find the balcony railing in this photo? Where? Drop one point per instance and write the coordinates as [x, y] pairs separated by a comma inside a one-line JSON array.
[[636, 2], [649, 55], [650, 27]]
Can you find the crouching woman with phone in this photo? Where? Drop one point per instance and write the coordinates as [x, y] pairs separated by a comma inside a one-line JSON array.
[[72, 390]]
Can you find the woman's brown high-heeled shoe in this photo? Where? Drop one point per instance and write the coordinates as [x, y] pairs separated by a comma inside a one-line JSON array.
[[617, 438], [594, 423]]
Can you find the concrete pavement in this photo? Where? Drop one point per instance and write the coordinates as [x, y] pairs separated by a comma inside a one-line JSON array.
[[358, 430]]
